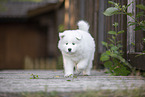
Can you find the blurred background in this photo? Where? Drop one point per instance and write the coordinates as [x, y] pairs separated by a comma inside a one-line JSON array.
[[29, 30]]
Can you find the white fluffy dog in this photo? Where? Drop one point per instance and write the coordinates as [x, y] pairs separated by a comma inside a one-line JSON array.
[[77, 47]]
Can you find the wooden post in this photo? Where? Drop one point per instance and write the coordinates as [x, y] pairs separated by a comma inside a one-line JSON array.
[[101, 27], [101, 32], [67, 14], [72, 15], [82, 9], [130, 29]]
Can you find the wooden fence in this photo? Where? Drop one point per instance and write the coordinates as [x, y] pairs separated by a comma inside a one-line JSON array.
[[91, 11]]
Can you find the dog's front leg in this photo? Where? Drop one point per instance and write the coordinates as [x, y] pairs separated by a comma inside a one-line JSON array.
[[68, 67]]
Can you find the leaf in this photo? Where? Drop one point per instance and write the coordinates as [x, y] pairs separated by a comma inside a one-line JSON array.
[[111, 2], [129, 4], [114, 48], [113, 37], [143, 40], [139, 14], [142, 26], [110, 11], [115, 61], [57, 76], [132, 24], [141, 6], [118, 41], [104, 57], [110, 45], [74, 76], [70, 75], [137, 28], [108, 64], [119, 46], [112, 32], [108, 52], [129, 14], [68, 80], [118, 12], [115, 24], [61, 28], [104, 43], [116, 52], [114, 55], [133, 43], [121, 70], [122, 31], [122, 60], [112, 40]]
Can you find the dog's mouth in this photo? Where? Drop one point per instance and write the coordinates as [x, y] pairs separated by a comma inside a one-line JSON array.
[[70, 53]]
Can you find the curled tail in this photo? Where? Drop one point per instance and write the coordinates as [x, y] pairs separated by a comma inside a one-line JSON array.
[[83, 25]]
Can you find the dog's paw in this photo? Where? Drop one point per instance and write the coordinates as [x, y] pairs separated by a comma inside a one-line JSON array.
[[78, 73], [68, 75], [86, 73]]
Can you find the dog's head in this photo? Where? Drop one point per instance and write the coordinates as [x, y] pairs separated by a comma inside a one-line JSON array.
[[69, 41]]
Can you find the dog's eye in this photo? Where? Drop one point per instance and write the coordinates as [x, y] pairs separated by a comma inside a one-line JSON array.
[[66, 43], [73, 43]]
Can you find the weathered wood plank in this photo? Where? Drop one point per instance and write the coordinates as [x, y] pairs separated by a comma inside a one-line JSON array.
[[101, 26], [67, 14], [130, 29]]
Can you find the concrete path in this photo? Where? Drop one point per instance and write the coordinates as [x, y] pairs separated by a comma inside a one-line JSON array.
[[14, 81]]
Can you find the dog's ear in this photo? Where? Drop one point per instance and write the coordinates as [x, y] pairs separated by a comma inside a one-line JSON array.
[[61, 35], [79, 37]]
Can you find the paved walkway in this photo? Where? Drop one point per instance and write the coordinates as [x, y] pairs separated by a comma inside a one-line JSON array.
[[14, 81]]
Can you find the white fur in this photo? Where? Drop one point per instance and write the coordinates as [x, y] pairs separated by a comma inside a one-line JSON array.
[[77, 47], [83, 25]]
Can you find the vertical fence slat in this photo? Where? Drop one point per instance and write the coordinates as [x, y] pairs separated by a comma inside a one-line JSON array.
[[130, 29], [101, 27]]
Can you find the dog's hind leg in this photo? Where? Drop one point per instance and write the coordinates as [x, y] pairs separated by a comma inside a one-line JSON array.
[[87, 71]]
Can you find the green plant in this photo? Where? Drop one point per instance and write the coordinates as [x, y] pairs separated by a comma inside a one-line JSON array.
[[59, 62], [72, 78], [34, 76], [60, 58], [122, 9], [61, 28], [112, 58]]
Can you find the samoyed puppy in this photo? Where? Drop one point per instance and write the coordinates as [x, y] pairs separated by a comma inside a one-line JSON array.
[[77, 48]]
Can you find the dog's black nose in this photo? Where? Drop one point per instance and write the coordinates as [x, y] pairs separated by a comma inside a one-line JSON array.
[[69, 49]]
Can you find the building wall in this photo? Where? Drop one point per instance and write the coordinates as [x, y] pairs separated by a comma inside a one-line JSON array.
[[18, 40]]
